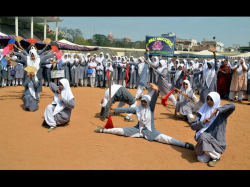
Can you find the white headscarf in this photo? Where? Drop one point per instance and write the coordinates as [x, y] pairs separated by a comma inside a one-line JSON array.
[[163, 66], [207, 111], [86, 57], [170, 64], [218, 63], [208, 74], [196, 63], [140, 65], [131, 59], [178, 73], [191, 66], [185, 63], [81, 57], [99, 66], [105, 60], [100, 58], [123, 63], [107, 56], [181, 97], [110, 68], [35, 63], [118, 59], [240, 69], [143, 114], [156, 61], [205, 64], [234, 63], [74, 58], [65, 59], [66, 94]]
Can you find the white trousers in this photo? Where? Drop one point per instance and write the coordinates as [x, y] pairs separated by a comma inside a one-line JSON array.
[[13, 82], [139, 92], [85, 82], [172, 99], [232, 94], [190, 116], [92, 81], [4, 82], [162, 138], [48, 116], [81, 82], [19, 81], [207, 155]]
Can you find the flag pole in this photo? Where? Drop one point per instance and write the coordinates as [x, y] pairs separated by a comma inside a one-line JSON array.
[[110, 103]]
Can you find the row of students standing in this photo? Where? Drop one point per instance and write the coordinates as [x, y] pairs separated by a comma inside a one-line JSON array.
[[11, 75], [84, 70]]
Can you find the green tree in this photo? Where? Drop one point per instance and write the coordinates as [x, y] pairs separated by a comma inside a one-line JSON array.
[[89, 42], [80, 40], [73, 34], [100, 40]]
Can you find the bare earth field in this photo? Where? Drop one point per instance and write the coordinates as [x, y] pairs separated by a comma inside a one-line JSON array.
[[26, 145]]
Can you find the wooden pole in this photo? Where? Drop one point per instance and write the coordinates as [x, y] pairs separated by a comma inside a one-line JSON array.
[[109, 83]]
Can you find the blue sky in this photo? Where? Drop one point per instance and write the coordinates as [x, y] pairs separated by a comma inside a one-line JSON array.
[[228, 30]]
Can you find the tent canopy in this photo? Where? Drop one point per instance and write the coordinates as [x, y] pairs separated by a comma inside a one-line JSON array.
[[2, 34], [243, 55], [206, 54], [65, 44]]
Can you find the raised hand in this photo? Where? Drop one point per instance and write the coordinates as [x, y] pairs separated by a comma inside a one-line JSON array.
[[212, 49], [154, 87]]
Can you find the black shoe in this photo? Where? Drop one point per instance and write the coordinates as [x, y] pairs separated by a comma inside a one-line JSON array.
[[240, 101], [189, 146], [248, 104]]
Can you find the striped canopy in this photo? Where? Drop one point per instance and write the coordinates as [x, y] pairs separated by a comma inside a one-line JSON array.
[[62, 46], [7, 37]]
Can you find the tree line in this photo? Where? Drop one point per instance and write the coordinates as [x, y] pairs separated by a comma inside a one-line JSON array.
[[76, 36]]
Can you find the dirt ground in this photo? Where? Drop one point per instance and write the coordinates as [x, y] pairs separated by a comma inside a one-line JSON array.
[[26, 145]]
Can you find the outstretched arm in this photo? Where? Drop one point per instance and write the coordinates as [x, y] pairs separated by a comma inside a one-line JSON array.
[[53, 87], [154, 96]]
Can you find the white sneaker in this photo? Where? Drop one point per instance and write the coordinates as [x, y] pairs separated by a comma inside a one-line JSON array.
[[203, 158], [51, 129]]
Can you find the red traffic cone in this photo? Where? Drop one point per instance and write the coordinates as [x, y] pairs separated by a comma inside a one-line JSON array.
[[109, 124]]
